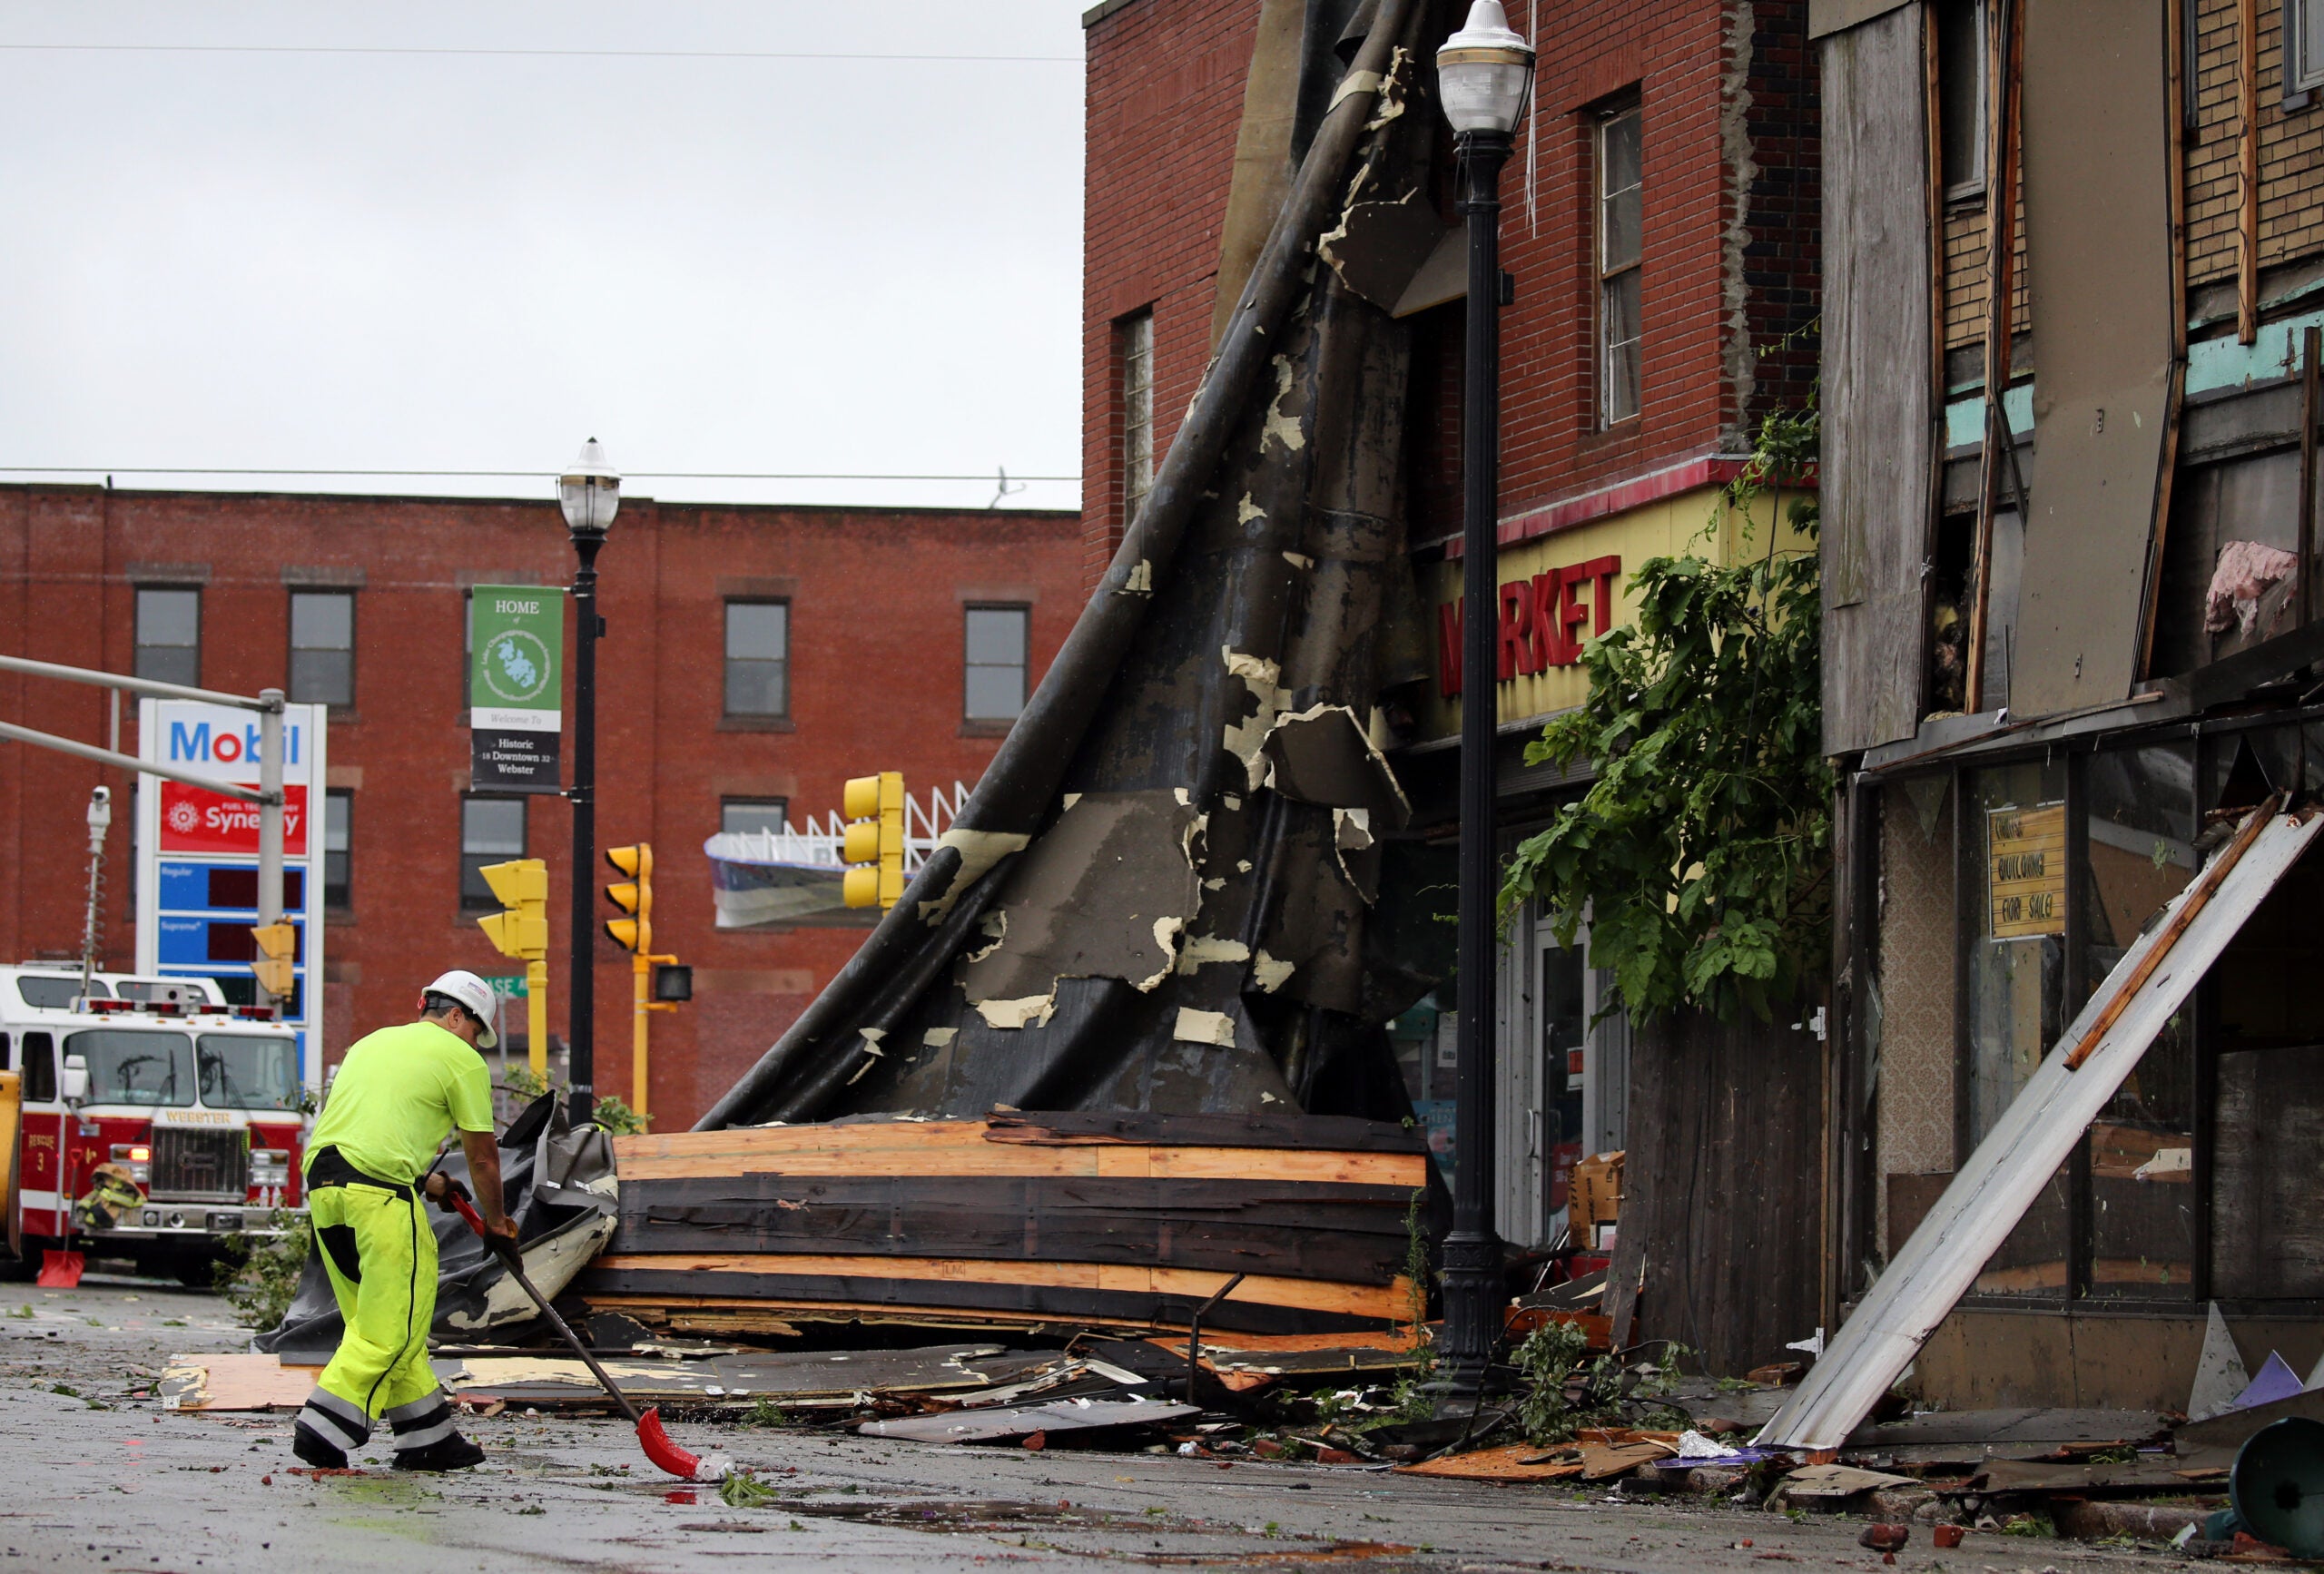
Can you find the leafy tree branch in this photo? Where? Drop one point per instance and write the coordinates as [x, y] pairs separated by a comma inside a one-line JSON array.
[[1700, 855]]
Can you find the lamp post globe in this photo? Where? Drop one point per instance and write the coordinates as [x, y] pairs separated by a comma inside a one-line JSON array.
[[588, 492], [1484, 72], [1484, 75]]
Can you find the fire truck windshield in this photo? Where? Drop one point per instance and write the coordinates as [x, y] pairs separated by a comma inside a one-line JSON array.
[[130, 1067], [249, 1072]]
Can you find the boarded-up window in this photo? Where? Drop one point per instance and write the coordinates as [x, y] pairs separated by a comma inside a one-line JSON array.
[[1620, 219]]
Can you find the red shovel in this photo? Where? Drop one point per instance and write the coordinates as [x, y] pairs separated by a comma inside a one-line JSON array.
[[666, 1454]]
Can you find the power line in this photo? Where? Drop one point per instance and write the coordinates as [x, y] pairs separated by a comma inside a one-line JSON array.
[[532, 53], [504, 475]]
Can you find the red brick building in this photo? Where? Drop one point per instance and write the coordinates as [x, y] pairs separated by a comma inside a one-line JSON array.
[[862, 669], [1659, 227], [1717, 98]]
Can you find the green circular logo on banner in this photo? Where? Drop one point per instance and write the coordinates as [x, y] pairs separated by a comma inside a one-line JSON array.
[[517, 667]]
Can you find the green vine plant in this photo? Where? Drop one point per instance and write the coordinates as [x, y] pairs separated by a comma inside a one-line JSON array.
[[1700, 856]]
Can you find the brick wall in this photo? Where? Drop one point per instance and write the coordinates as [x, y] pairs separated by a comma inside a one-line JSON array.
[[2292, 151], [876, 668], [1164, 102], [1730, 243]]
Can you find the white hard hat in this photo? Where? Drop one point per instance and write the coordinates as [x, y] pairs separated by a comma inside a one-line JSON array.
[[473, 993]]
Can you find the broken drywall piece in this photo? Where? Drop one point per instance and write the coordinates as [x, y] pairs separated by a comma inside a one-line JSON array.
[[1029, 1011], [872, 1037], [1269, 972], [980, 852], [1185, 800], [1299, 560], [1200, 1027], [1103, 894], [1140, 581], [1380, 246], [1217, 883], [1230, 800], [995, 927], [938, 1037], [1283, 427], [1168, 931], [1351, 830], [1246, 511], [1321, 755], [2219, 1372], [1247, 738], [1067, 801], [1204, 948]]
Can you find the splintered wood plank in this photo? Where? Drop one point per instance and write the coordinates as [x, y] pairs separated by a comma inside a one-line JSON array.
[[961, 1148], [1385, 1302]]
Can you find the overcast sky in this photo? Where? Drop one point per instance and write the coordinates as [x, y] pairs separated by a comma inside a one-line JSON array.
[[251, 251]]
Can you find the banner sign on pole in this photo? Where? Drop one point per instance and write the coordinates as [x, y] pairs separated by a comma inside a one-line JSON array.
[[515, 669]]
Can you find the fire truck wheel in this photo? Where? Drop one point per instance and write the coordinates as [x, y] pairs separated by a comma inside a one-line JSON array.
[[197, 1272]]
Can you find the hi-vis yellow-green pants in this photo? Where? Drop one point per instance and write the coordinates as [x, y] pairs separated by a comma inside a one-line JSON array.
[[381, 1255]]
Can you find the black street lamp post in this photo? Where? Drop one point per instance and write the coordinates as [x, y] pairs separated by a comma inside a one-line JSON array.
[[1483, 74], [589, 492]]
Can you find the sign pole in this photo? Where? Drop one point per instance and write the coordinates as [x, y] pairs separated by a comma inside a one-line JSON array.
[[269, 812]]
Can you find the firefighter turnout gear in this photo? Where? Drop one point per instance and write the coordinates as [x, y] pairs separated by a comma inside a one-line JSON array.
[[397, 1095]]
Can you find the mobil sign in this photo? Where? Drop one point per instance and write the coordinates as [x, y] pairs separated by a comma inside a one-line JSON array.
[[221, 742]]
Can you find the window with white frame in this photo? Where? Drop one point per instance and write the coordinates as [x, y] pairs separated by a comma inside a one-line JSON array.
[[2303, 44], [1620, 186]]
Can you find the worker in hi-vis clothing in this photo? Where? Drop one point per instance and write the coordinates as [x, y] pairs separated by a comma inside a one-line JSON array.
[[398, 1094]]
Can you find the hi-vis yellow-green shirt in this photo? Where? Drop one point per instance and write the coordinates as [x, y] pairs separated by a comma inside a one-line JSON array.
[[399, 1093]]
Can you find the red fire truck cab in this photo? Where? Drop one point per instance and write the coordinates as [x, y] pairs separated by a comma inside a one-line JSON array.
[[156, 1117]]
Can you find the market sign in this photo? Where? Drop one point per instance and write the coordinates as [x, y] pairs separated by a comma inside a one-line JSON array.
[[517, 650], [2026, 870]]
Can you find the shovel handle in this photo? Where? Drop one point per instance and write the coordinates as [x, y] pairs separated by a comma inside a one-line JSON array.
[[505, 1250], [498, 1245]]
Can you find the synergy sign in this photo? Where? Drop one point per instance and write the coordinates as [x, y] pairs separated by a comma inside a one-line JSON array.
[[516, 642], [197, 854]]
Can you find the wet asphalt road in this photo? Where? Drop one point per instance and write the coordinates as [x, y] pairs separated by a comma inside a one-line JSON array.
[[97, 1479]]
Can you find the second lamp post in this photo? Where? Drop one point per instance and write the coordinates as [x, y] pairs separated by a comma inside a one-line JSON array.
[[589, 492], [1484, 74]]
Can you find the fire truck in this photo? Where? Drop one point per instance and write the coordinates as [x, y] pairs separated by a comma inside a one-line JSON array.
[[156, 1117]]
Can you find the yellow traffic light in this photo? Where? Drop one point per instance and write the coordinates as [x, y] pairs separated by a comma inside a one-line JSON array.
[[521, 886], [278, 947], [635, 896], [876, 840]]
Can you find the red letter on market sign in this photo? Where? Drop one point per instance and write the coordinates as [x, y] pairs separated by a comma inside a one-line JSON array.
[[1548, 638], [1517, 654], [1448, 647]]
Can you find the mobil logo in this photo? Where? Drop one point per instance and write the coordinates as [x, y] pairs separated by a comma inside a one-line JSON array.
[[234, 745]]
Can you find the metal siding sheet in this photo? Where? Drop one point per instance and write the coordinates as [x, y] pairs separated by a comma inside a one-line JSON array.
[[1879, 401], [2099, 264], [2034, 1137]]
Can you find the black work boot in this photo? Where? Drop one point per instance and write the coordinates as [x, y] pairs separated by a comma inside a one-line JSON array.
[[451, 1453], [316, 1449]]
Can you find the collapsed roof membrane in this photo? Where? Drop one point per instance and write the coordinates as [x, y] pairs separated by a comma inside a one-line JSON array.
[[2082, 1072], [1159, 896]]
